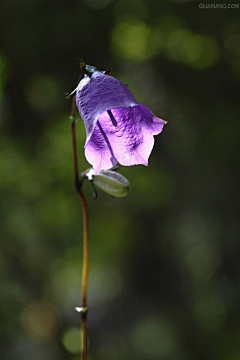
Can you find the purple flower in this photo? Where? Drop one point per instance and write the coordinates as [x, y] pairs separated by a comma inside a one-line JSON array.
[[118, 129]]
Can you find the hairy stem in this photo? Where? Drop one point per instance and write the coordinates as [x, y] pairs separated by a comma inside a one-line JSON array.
[[85, 237]]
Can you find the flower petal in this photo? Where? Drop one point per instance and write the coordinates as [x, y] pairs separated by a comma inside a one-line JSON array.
[[129, 143], [99, 93]]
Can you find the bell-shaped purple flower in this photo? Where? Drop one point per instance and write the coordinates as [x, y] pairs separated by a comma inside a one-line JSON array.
[[118, 129]]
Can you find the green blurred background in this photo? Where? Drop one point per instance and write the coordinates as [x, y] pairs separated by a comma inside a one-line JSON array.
[[164, 280]]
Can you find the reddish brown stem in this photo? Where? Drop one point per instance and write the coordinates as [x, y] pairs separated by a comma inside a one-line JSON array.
[[85, 237]]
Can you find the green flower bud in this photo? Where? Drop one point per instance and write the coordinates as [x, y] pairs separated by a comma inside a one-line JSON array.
[[112, 183]]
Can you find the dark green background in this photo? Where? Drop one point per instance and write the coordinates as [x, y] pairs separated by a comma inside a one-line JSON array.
[[164, 279]]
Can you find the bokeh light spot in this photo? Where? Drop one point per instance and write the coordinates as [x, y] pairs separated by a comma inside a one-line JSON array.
[[134, 39], [192, 47], [168, 24], [53, 150], [197, 244], [174, 44], [207, 54], [232, 51], [194, 50], [53, 210], [71, 340], [210, 313], [154, 338], [109, 352], [40, 321], [232, 44], [105, 286], [42, 92]]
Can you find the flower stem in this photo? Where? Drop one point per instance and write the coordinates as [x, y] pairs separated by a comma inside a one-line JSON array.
[[84, 276], [85, 237]]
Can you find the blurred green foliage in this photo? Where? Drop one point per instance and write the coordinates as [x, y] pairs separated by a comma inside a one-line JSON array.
[[164, 262]]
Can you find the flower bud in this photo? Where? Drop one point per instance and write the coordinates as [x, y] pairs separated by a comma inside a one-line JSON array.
[[112, 183]]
